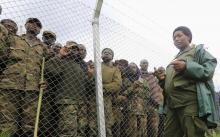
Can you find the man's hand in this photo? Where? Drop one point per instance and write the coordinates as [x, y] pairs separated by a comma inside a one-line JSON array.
[[178, 65], [136, 84], [160, 73], [91, 72], [64, 51], [43, 85], [121, 98]]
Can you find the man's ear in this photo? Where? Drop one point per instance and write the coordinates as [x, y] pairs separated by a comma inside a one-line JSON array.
[[25, 25], [0, 9], [188, 38]]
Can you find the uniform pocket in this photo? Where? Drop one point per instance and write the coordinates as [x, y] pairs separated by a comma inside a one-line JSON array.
[[17, 53], [200, 124]]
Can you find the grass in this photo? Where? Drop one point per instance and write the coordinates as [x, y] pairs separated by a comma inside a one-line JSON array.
[[216, 135], [4, 135]]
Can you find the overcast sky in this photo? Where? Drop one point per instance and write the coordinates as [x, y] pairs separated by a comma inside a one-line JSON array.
[[134, 29], [155, 20]]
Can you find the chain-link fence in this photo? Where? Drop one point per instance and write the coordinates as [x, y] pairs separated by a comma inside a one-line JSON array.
[[61, 33]]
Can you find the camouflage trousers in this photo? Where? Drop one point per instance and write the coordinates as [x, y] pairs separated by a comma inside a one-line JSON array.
[[18, 112], [152, 121], [136, 125], [162, 118], [49, 115], [72, 120], [141, 125], [92, 117], [118, 129]]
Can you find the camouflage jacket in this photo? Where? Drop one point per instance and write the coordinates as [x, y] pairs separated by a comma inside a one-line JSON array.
[[138, 97], [23, 63], [69, 77]]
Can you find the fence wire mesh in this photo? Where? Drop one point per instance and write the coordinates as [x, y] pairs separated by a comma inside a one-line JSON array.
[[61, 32]]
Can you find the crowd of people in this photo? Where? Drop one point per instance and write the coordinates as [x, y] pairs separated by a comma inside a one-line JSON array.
[[69, 104], [135, 100]]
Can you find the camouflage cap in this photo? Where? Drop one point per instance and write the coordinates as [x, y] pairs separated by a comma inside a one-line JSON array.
[[71, 44], [57, 45], [14, 24], [36, 20], [47, 32]]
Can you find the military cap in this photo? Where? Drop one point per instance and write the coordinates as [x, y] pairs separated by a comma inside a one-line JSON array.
[[47, 32], [57, 45], [71, 44], [36, 20], [11, 21]]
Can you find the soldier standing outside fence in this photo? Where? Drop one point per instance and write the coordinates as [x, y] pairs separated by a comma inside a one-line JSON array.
[[189, 89]]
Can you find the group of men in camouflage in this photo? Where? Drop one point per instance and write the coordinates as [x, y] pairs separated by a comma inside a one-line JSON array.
[[131, 96]]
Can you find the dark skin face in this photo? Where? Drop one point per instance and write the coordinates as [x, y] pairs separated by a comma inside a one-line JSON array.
[[32, 28], [69, 52], [48, 39], [144, 65], [181, 41], [107, 55], [121, 66], [10, 27], [82, 51], [133, 68], [56, 48]]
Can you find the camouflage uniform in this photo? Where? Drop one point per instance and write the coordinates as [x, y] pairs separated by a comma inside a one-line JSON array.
[[56, 48], [10, 25], [111, 78], [139, 105], [19, 84], [49, 109], [120, 109], [70, 95]]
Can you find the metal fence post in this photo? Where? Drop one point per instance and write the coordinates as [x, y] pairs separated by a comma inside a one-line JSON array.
[[98, 76]]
